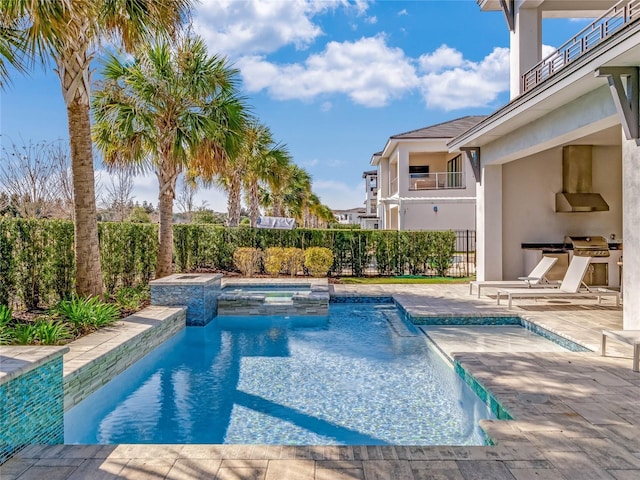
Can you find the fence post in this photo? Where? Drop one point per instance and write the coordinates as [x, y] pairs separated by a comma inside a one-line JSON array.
[[466, 265]]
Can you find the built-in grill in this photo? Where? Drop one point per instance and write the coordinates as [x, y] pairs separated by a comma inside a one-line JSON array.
[[588, 246]]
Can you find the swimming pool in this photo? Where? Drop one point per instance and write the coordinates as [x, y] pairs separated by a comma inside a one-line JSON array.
[[361, 376]]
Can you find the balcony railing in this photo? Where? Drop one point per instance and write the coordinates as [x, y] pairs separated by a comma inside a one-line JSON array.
[[613, 20], [436, 180]]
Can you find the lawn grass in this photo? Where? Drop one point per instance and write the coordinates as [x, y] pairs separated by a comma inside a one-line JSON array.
[[407, 279]]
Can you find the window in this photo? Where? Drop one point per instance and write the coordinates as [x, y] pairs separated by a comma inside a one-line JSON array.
[[418, 171], [454, 172]]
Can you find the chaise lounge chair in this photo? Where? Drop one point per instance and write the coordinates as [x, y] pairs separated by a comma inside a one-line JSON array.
[[569, 287], [535, 279]]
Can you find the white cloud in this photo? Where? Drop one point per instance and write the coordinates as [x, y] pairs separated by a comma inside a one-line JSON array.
[[263, 26], [326, 106], [442, 58], [310, 163], [356, 69], [339, 195], [371, 20], [403, 12], [468, 85]]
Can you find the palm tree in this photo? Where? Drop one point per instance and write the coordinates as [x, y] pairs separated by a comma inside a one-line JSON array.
[[229, 178], [69, 31], [276, 182], [297, 193], [264, 160], [174, 109]]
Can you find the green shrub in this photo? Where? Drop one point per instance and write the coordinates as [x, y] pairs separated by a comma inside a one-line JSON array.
[[247, 260], [5, 321], [5, 315], [318, 261], [132, 299], [274, 261], [23, 334], [86, 314], [294, 260], [441, 247], [52, 332]]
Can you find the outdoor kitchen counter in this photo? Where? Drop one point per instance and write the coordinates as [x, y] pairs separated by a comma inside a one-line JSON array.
[[561, 246]]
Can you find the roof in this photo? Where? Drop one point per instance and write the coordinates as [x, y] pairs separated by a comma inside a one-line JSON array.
[[369, 172], [450, 129]]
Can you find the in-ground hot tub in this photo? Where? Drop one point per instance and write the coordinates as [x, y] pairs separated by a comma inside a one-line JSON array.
[[274, 297]]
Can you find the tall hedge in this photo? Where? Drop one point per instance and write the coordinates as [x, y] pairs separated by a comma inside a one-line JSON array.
[[37, 264], [356, 252]]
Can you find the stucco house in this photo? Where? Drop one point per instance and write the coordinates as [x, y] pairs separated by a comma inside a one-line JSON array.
[[369, 219], [350, 216], [560, 160], [422, 184]]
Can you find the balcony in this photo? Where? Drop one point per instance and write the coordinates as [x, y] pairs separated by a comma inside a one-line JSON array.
[[612, 21], [436, 181]]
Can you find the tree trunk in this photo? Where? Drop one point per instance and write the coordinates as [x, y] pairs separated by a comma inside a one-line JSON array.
[[276, 205], [87, 249], [254, 203], [167, 176], [73, 61], [233, 203]]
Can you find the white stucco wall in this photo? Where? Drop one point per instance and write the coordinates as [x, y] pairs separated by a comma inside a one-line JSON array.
[[529, 188], [459, 215]]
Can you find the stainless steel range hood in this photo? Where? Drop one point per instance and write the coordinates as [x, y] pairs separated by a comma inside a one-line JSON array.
[[577, 193]]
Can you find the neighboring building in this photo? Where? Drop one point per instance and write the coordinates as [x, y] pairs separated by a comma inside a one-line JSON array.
[[369, 219], [349, 217], [561, 158], [423, 186]]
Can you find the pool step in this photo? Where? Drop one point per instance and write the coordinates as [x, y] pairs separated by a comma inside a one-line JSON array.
[[398, 325]]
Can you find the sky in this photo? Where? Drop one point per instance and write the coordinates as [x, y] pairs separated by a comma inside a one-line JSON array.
[[333, 79]]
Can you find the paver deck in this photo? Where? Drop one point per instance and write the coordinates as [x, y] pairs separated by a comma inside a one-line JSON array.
[[577, 415]]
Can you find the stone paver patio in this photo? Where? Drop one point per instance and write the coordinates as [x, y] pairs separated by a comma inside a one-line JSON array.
[[577, 415]]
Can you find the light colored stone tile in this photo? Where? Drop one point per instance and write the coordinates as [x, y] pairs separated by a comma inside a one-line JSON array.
[[429, 474], [242, 474], [608, 454], [387, 469], [625, 474], [211, 452], [537, 474], [555, 441], [48, 473], [147, 451], [293, 469], [339, 474], [59, 462], [424, 453], [190, 469], [482, 470], [577, 465], [98, 469], [146, 468], [229, 463], [339, 464], [596, 413], [11, 469]]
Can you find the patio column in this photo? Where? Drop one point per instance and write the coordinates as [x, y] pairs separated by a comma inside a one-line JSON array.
[[489, 224], [403, 171], [401, 213], [631, 233], [384, 177], [525, 44]]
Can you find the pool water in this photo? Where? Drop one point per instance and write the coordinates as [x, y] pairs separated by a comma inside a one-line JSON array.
[[359, 377]]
